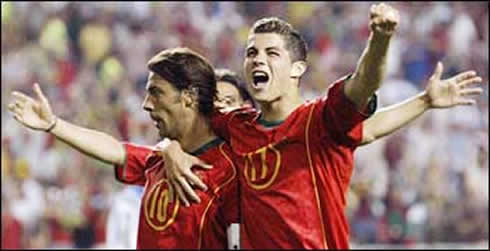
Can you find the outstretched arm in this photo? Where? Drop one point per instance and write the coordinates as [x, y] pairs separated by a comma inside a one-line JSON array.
[[37, 115], [438, 94], [370, 70]]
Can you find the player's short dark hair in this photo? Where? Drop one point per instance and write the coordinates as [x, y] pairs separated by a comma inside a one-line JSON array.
[[187, 69], [295, 43], [232, 78]]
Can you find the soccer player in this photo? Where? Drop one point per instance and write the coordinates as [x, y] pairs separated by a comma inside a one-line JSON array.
[[231, 94], [297, 157], [181, 90], [123, 218], [231, 91]]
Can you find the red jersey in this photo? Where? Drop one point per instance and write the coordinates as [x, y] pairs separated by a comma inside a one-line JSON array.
[[172, 225], [294, 176]]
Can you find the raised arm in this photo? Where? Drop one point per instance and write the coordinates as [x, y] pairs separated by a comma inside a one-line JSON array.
[[370, 69], [37, 115], [439, 93]]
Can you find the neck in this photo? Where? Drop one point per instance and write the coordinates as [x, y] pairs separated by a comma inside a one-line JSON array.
[[280, 108], [196, 135]]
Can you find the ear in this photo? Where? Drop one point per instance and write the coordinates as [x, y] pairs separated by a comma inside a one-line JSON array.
[[189, 97], [298, 69]]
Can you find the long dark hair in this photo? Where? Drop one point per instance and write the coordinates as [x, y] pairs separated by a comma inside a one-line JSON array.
[[187, 69]]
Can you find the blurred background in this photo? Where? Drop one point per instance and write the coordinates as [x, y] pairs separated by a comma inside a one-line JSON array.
[[426, 184]]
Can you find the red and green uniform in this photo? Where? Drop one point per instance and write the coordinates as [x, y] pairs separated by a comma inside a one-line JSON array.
[[294, 175], [172, 225]]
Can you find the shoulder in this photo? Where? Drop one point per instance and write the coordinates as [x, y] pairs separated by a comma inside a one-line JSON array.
[[337, 87], [244, 113]]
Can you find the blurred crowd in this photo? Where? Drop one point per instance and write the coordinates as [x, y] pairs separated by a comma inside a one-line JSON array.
[[428, 182]]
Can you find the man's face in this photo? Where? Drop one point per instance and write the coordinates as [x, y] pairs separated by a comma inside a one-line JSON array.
[[228, 96], [267, 66], [164, 104]]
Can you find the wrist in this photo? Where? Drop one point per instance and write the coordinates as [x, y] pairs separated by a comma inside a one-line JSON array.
[[379, 36], [52, 125], [426, 100], [173, 147]]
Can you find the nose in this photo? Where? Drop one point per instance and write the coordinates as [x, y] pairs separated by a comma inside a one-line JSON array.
[[219, 103], [259, 59], [147, 104]]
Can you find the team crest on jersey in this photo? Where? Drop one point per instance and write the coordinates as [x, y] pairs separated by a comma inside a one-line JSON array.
[[258, 174], [159, 213]]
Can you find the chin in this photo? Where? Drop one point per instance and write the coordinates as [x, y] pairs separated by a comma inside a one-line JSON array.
[[162, 135], [263, 97]]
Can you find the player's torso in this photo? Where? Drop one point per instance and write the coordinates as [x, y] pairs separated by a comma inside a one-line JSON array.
[[283, 173], [172, 225]]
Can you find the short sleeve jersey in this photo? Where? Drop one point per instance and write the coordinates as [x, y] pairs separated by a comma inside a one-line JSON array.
[[294, 175], [172, 225]]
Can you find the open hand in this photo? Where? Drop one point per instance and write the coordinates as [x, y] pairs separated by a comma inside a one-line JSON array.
[[34, 114], [453, 91], [180, 177]]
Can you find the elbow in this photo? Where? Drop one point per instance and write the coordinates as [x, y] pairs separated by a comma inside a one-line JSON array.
[[362, 88]]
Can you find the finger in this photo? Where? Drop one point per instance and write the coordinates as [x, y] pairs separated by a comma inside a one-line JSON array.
[[202, 164], [463, 84], [472, 91], [170, 191], [21, 97], [40, 94], [188, 189], [157, 152], [11, 107], [465, 102], [372, 12], [19, 104], [381, 24], [438, 71], [393, 16], [378, 20], [465, 75], [194, 180], [181, 194], [390, 25], [14, 109], [17, 117]]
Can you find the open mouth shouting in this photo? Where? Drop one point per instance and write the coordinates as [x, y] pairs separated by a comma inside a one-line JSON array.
[[260, 79], [156, 122]]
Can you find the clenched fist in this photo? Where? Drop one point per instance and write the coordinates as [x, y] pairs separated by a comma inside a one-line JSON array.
[[383, 19]]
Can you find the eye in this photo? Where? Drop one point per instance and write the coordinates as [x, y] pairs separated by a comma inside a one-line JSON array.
[[251, 53], [273, 53], [154, 92]]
